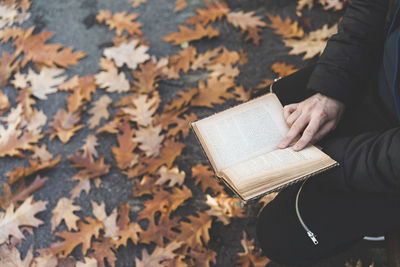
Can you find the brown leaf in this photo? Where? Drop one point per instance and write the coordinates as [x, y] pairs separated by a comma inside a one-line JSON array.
[[218, 70], [127, 229], [4, 103], [73, 239], [179, 5], [89, 147], [21, 193], [143, 109], [149, 139], [64, 211], [34, 48], [247, 22], [87, 262], [41, 153], [224, 208], [136, 3], [286, 28], [159, 254], [82, 185], [241, 94], [99, 111], [146, 79], [104, 251], [120, 21], [283, 69], [195, 232], [110, 79], [204, 176], [265, 83], [168, 153], [183, 59], [123, 154], [24, 215], [250, 258], [186, 34], [205, 59], [8, 64], [178, 124], [90, 167], [227, 57], [243, 57], [203, 256], [158, 232], [109, 221], [313, 43], [215, 11], [215, 92], [35, 166], [130, 53], [46, 261], [64, 125], [183, 99]]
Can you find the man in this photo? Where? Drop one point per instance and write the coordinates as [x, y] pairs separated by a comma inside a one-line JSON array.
[[349, 102]]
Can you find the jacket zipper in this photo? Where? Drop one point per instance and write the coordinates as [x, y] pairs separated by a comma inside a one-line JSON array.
[[310, 234]]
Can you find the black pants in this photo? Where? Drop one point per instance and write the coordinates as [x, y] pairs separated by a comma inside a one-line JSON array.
[[338, 215]]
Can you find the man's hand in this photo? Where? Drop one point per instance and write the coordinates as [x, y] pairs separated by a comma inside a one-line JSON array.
[[317, 115]]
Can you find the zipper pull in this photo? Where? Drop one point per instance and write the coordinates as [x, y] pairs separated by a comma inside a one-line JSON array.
[[313, 237]]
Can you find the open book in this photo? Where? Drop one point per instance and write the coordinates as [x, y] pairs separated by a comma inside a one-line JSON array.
[[241, 144]]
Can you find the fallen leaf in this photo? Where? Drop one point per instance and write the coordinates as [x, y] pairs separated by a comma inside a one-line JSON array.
[[8, 65], [149, 139], [64, 211], [110, 79], [41, 153], [179, 5], [203, 256], [24, 215], [4, 103], [215, 11], [186, 34], [204, 59], [109, 221], [195, 232], [11, 257], [204, 176], [143, 109], [104, 251], [286, 28], [224, 208], [250, 258], [120, 21], [146, 79], [123, 153], [301, 4], [159, 254], [183, 59], [99, 111], [88, 262], [313, 43], [173, 175], [215, 92], [136, 3], [129, 53], [64, 125], [283, 69]]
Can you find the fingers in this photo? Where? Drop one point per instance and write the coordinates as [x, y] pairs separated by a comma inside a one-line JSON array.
[[308, 135], [288, 109], [294, 131], [324, 129]]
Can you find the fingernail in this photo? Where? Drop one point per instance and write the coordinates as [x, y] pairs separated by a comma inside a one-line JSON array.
[[296, 147]]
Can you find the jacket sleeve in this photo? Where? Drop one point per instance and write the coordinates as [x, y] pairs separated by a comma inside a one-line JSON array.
[[349, 55], [369, 162]]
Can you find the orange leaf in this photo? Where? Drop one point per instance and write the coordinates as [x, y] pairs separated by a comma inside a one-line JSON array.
[[283, 69], [146, 78], [64, 211], [124, 154], [159, 254], [4, 103], [215, 11], [204, 176], [195, 232], [179, 5], [186, 34], [184, 99], [215, 92], [136, 3], [104, 251], [205, 59], [110, 79], [250, 258], [286, 28], [120, 21], [99, 111], [64, 125], [245, 20], [224, 208], [183, 59], [149, 139], [8, 64]]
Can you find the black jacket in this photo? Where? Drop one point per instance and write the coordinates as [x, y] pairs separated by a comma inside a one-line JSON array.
[[370, 161]]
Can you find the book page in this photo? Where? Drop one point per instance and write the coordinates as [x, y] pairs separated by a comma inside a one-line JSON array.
[[243, 132], [268, 163]]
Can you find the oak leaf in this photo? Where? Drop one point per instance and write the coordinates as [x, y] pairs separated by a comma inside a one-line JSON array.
[[183, 59], [169, 151], [226, 57], [173, 175], [250, 257], [204, 59], [241, 94], [11, 257], [146, 79], [123, 153], [203, 256], [41, 153], [24, 215], [87, 262], [215, 11], [286, 28], [8, 64], [183, 99], [89, 147], [247, 22], [64, 211], [186, 34], [109, 221], [99, 111], [215, 92], [178, 124], [204, 176], [218, 70], [159, 254], [45, 261], [41, 84], [126, 228], [303, 3], [4, 103], [179, 5], [149, 139], [73, 239], [224, 208], [21, 192], [82, 185], [313, 43], [120, 21], [283, 69], [110, 79], [243, 57], [143, 109], [85, 86], [158, 232], [195, 233], [104, 251], [129, 53], [64, 125], [136, 3]]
